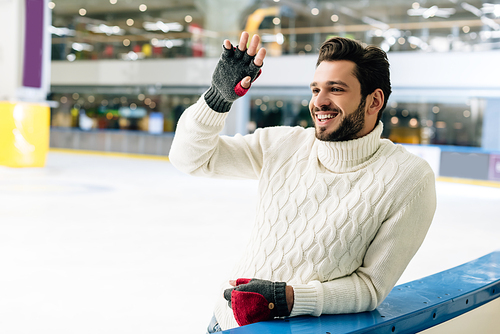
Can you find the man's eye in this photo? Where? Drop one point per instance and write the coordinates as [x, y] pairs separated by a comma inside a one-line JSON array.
[[315, 91], [336, 89]]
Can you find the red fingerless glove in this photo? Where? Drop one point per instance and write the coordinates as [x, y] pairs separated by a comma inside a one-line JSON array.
[[254, 300]]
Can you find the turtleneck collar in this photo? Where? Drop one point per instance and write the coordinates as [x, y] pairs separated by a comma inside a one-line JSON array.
[[345, 156]]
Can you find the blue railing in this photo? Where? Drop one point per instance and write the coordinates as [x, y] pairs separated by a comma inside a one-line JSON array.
[[409, 308]]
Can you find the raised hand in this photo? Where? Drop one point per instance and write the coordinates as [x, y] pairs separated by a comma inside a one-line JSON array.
[[236, 70]]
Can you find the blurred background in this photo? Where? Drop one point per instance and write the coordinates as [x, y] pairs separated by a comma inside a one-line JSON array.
[[123, 71], [115, 62], [114, 242]]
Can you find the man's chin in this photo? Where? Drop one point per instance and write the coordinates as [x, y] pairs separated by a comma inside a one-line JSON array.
[[323, 134]]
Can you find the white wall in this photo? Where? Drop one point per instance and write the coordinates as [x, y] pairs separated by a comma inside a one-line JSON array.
[[474, 73], [11, 56], [12, 23]]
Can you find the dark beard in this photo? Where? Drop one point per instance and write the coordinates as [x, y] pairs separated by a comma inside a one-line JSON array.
[[349, 128]]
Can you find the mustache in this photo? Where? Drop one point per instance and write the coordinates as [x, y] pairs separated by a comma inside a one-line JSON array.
[[326, 108]]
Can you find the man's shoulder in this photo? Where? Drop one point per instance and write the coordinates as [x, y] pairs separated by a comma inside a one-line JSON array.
[[408, 165], [286, 134], [285, 130], [399, 152]]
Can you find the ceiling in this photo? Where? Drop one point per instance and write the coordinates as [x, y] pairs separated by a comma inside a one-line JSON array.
[[443, 18]]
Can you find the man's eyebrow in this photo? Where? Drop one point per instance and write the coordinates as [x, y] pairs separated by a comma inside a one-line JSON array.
[[331, 83]]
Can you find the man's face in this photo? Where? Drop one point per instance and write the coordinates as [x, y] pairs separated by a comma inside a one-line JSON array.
[[337, 107]]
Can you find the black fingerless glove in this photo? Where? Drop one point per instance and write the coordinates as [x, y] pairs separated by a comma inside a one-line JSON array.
[[257, 300], [233, 66]]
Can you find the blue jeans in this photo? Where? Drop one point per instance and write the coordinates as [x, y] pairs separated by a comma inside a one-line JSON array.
[[214, 326]]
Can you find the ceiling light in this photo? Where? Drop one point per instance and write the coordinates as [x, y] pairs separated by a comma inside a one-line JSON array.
[[105, 29], [480, 13], [415, 5], [472, 9], [334, 18], [269, 38], [188, 18], [413, 40], [489, 8], [130, 22], [113, 2], [496, 10], [52, 5], [432, 12], [143, 8], [165, 27], [82, 11], [167, 43], [466, 29], [315, 11], [62, 31], [375, 23], [82, 47]]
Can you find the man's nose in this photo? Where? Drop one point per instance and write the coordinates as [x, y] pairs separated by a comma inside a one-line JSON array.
[[322, 100]]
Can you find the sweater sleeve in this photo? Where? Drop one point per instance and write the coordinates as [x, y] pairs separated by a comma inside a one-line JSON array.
[[394, 245], [198, 149]]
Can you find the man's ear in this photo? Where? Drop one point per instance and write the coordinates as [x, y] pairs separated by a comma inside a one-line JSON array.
[[376, 101]]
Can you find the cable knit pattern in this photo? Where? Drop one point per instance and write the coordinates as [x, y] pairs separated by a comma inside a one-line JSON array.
[[339, 221]]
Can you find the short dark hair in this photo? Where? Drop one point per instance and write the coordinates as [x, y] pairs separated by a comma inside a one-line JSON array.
[[372, 65]]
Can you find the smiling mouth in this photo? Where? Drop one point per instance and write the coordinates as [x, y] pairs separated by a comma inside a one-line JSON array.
[[324, 118]]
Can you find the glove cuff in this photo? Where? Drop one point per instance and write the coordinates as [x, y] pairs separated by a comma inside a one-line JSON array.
[[216, 101], [280, 298]]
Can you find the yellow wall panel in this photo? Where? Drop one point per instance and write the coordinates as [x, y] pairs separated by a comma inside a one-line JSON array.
[[24, 134]]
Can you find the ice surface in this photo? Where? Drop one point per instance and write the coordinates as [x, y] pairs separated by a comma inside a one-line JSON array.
[[100, 244]]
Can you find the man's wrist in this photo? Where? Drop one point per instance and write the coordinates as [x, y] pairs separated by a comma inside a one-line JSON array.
[[216, 101], [289, 297]]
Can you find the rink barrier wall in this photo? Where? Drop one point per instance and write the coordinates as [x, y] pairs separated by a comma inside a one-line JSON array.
[[450, 161], [409, 308], [116, 141]]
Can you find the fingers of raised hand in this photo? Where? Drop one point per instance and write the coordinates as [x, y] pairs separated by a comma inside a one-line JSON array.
[[254, 44], [242, 46], [227, 44], [245, 83], [259, 58]]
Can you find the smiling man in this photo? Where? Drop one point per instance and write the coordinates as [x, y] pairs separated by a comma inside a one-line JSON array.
[[341, 212]]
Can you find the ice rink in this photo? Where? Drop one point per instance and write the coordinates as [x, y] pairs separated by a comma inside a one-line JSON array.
[[109, 244]]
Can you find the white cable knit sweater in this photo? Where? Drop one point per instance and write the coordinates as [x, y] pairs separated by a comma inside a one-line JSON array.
[[339, 221]]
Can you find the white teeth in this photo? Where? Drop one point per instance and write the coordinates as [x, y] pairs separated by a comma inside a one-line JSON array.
[[325, 116]]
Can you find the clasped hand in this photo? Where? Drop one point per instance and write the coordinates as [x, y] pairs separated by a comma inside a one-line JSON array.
[[254, 300]]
